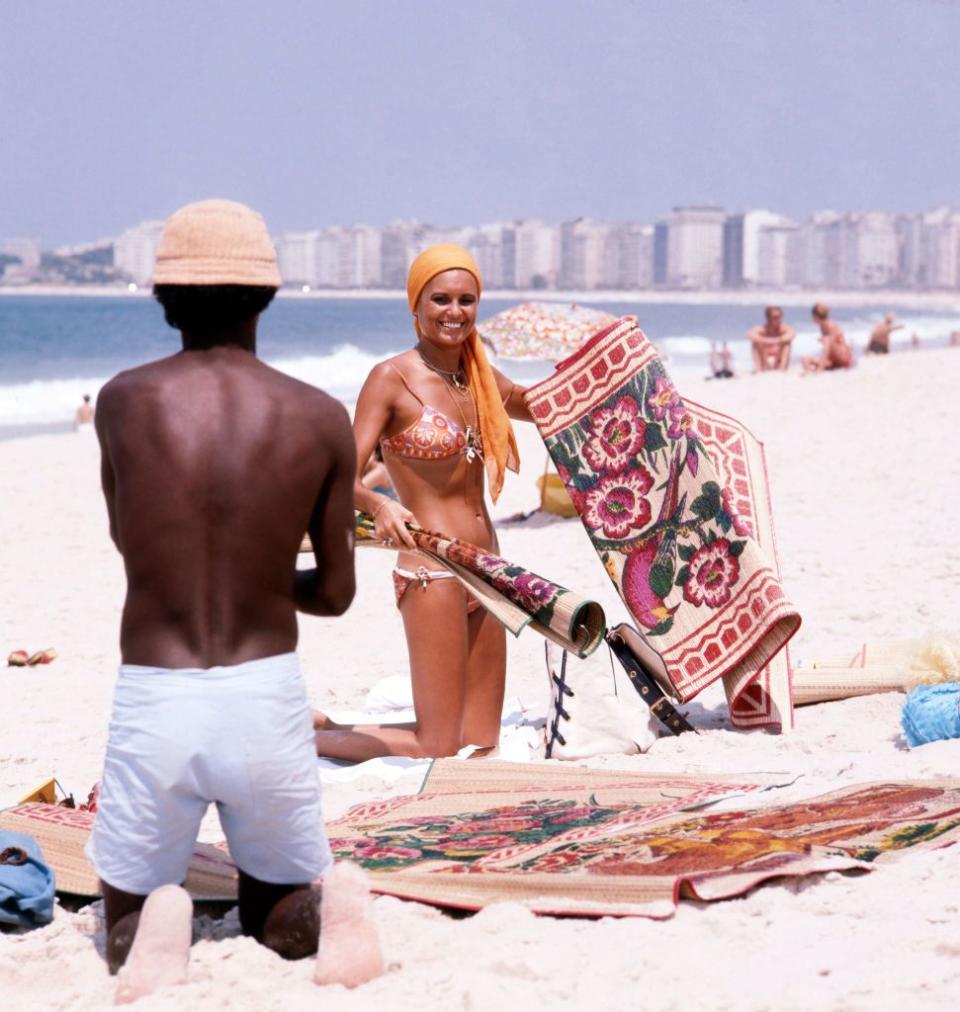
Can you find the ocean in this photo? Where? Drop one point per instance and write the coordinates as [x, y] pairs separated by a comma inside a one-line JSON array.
[[54, 349]]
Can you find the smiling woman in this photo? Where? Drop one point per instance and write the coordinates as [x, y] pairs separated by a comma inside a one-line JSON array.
[[441, 415]]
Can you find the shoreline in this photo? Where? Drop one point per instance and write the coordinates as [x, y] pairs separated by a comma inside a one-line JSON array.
[[943, 300]]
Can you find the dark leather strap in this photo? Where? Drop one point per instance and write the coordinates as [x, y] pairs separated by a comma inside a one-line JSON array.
[[650, 692]]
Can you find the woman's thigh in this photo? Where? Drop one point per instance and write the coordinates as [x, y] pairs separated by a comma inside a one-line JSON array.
[[434, 618], [486, 679]]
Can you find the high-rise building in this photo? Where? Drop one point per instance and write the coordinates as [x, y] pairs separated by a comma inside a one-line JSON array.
[[537, 258], [583, 254], [741, 246], [28, 253], [694, 239], [297, 257], [778, 255], [940, 249], [135, 251]]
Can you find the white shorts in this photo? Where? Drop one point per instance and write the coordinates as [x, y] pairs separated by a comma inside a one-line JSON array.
[[241, 737]]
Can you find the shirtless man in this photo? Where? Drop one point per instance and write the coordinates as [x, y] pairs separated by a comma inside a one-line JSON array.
[[880, 335], [836, 352], [770, 342], [213, 466], [84, 415]]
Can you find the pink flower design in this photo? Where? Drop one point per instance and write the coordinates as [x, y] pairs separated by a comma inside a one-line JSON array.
[[619, 505], [663, 399], [713, 572], [618, 434], [741, 524], [680, 422], [534, 591]]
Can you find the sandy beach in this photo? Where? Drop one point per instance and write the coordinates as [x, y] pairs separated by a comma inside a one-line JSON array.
[[864, 477]]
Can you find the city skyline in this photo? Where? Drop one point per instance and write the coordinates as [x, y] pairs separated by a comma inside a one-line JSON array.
[[613, 110], [692, 248]]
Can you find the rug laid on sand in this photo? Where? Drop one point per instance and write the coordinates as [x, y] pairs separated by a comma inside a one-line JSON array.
[[892, 666], [591, 842], [674, 499], [62, 834], [514, 595]]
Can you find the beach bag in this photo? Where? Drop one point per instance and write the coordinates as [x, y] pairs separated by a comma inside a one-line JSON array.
[[593, 708], [26, 882]]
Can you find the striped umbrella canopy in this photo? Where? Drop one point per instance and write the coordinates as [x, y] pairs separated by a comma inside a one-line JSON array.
[[542, 330]]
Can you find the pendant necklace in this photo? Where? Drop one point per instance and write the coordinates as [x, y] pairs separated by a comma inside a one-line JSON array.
[[457, 376], [457, 379]]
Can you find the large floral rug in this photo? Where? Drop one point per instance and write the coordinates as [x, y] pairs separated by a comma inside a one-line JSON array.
[[592, 842], [674, 498]]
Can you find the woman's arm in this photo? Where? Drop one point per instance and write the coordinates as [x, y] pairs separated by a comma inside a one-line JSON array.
[[512, 395], [375, 409]]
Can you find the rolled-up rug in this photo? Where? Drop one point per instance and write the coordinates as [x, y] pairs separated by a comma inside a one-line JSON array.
[[893, 666], [674, 499], [514, 595]]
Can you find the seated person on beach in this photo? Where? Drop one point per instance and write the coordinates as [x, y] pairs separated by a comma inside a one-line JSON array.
[[213, 465], [836, 353], [770, 341], [880, 335], [721, 361], [85, 413], [441, 415]]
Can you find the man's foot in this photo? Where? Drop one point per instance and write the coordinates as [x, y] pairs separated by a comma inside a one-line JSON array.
[[161, 948], [349, 947], [292, 927]]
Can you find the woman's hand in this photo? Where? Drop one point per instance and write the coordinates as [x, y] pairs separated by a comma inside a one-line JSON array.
[[389, 524]]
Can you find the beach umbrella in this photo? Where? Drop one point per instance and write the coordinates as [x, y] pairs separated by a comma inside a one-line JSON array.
[[542, 330]]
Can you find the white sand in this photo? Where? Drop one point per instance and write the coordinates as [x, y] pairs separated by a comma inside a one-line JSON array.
[[865, 477]]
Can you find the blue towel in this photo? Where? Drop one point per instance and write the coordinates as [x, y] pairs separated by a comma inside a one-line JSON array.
[[26, 889], [932, 712]]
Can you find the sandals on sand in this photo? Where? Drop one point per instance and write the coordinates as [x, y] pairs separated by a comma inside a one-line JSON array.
[[20, 658]]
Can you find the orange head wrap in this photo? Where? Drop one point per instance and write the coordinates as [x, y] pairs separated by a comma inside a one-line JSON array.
[[499, 444]]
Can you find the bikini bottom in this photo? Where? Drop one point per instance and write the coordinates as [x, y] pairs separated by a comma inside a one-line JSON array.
[[403, 578]]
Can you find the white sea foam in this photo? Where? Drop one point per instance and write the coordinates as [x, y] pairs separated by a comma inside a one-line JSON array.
[[341, 373]]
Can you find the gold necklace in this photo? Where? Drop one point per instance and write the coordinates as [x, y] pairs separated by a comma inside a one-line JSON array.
[[457, 376], [474, 442]]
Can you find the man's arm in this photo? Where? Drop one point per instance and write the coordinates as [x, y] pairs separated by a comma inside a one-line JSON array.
[[329, 588]]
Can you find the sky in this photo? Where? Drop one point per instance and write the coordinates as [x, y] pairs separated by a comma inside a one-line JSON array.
[[117, 111]]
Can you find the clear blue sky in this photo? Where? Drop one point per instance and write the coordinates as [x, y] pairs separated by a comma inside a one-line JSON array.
[[113, 111]]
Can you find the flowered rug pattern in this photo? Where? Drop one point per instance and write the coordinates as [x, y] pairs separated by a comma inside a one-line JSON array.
[[606, 848], [674, 499]]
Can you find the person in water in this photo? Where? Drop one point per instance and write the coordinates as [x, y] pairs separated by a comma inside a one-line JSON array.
[[441, 416]]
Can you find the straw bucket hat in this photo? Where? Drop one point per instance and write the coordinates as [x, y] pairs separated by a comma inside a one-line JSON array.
[[216, 242]]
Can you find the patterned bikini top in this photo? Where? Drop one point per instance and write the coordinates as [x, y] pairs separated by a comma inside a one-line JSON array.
[[433, 436]]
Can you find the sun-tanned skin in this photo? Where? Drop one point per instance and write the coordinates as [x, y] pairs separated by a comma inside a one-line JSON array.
[[770, 341], [457, 660], [836, 353], [212, 469]]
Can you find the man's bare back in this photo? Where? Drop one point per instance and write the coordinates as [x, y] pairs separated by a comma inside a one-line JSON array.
[[225, 462], [213, 466]]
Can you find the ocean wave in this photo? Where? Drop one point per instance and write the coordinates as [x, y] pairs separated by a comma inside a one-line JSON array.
[[341, 373]]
